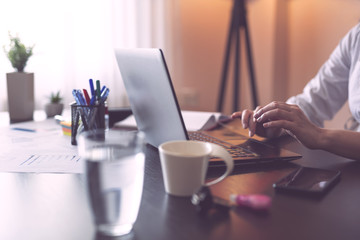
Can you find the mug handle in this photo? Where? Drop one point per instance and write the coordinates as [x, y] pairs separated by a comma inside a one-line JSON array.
[[220, 152]]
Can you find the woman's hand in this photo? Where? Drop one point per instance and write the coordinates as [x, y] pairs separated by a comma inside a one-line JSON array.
[[277, 115], [249, 122]]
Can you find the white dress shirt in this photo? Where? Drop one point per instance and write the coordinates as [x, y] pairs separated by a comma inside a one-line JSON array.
[[337, 81]]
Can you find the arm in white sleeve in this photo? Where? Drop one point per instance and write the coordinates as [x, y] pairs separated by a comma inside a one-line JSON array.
[[327, 92]]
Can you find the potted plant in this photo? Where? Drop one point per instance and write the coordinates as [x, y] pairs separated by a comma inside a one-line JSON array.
[[20, 84], [54, 106]]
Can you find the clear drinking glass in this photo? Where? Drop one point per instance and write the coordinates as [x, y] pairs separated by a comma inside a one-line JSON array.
[[114, 169]]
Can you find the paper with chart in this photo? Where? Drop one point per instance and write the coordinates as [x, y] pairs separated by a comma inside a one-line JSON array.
[[38, 147]]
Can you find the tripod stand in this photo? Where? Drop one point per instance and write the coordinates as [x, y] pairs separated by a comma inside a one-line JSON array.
[[238, 22]]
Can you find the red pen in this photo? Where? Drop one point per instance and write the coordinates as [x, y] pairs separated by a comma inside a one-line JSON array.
[[253, 201], [87, 98]]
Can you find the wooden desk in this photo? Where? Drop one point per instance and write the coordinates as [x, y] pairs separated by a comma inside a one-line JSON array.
[[54, 206]]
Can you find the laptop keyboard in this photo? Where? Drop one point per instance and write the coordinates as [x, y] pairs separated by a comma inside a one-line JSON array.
[[235, 150]]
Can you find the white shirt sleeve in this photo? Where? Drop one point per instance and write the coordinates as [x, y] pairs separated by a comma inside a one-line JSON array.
[[327, 92]]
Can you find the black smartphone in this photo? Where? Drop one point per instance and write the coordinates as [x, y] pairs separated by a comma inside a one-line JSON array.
[[305, 180]]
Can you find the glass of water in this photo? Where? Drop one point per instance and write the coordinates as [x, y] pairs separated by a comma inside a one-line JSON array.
[[114, 169]]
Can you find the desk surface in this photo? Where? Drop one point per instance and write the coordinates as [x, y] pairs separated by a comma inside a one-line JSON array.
[[54, 206]]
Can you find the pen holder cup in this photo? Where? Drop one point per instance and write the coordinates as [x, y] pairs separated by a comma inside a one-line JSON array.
[[84, 118]]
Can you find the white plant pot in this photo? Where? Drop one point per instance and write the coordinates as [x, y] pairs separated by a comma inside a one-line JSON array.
[[20, 90], [52, 109]]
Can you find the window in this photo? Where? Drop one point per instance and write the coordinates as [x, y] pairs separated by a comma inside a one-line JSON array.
[[74, 41]]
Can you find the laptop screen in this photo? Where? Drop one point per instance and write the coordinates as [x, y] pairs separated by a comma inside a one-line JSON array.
[[151, 94], [157, 113]]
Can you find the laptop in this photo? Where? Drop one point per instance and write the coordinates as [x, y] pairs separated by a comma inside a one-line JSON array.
[[157, 112]]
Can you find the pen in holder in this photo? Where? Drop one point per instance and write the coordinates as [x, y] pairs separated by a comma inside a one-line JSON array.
[[84, 117]]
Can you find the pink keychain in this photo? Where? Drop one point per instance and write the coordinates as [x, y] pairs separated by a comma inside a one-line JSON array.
[[253, 201]]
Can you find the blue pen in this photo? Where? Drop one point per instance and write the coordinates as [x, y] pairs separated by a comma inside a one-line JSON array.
[[82, 102], [78, 102], [102, 90], [92, 89], [24, 129], [92, 100], [104, 95], [81, 97], [76, 97]]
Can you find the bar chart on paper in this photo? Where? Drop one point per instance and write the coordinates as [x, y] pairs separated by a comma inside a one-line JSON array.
[[38, 147]]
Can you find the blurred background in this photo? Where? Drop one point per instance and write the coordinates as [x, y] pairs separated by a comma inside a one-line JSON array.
[[74, 41]]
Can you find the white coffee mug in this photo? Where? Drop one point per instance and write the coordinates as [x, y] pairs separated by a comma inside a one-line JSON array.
[[184, 165]]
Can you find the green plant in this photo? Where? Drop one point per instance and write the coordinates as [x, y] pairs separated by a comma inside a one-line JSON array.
[[55, 97], [17, 53]]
